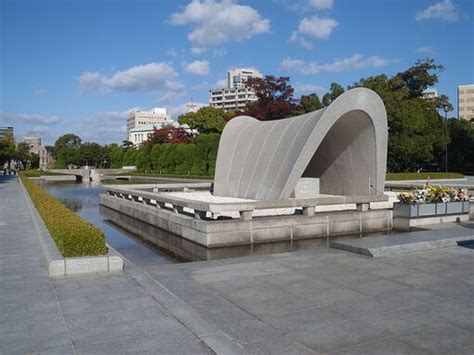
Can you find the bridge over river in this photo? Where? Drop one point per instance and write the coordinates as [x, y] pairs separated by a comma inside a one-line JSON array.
[[89, 174]]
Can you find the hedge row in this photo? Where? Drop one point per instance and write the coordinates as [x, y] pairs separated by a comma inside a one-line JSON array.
[[197, 158], [423, 176], [37, 173], [72, 235]]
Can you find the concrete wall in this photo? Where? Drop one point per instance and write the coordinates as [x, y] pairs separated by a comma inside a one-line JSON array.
[[216, 233]]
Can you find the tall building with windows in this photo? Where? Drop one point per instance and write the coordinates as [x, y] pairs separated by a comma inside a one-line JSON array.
[[4, 131], [237, 94], [156, 116], [430, 93], [466, 102]]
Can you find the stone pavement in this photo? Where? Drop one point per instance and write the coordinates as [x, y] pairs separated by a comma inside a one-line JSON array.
[[305, 302]]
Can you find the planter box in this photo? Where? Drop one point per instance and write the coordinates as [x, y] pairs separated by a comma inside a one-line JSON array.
[[430, 209], [426, 210], [406, 217], [466, 207], [440, 208], [454, 208]]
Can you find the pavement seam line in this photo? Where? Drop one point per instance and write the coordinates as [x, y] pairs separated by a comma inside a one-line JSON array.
[[163, 287]]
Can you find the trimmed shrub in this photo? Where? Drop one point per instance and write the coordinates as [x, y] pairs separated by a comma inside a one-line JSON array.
[[155, 157], [142, 159], [73, 236], [116, 157]]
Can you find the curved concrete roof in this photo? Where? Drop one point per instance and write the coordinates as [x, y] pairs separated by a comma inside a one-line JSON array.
[[344, 145]]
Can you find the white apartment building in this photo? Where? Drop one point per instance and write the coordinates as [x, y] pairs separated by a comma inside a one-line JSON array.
[[430, 93], [141, 134], [466, 102], [138, 118], [236, 95]]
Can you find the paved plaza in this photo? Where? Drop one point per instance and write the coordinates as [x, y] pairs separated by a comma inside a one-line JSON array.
[[304, 302]]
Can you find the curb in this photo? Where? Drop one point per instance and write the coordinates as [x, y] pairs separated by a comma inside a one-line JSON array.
[[57, 264]]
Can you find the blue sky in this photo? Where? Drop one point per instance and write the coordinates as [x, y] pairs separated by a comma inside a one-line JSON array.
[[79, 66]]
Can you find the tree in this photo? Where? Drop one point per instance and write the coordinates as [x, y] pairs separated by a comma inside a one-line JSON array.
[[127, 144], [310, 103], [66, 150], [91, 154], [416, 129], [205, 120], [420, 77], [275, 98], [335, 91], [169, 134], [7, 148], [116, 157], [23, 154], [461, 146]]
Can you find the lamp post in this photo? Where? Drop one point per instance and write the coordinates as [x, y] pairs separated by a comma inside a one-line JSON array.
[[446, 109]]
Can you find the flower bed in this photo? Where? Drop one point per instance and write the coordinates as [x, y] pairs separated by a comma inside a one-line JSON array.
[[73, 236], [432, 201]]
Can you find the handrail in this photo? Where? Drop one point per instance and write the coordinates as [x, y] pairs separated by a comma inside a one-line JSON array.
[[243, 206]]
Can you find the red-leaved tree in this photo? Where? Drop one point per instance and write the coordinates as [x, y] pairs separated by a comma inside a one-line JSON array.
[[170, 134]]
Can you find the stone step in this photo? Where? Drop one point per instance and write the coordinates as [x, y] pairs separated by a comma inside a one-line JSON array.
[[403, 243]]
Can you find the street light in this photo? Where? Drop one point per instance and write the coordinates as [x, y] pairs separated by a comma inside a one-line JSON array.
[[446, 109]]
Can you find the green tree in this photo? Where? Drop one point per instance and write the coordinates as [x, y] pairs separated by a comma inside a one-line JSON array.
[[7, 148], [205, 120], [155, 157], [461, 146], [91, 154], [129, 157], [310, 103], [142, 159], [416, 130], [66, 150], [23, 154], [116, 157], [420, 76], [335, 91]]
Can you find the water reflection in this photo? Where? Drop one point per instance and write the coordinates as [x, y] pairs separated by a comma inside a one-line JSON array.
[[83, 199], [143, 243]]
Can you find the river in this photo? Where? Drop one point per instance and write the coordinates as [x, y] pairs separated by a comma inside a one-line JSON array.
[[83, 199]]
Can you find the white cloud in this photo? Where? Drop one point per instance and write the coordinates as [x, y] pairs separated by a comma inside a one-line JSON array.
[[219, 84], [444, 10], [40, 92], [300, 40], [215, 23], [198, 50], [356, 61], [198, 67], [320, 4], [425, 50], [152, 76], [29, 118], [317, 27], [313, 28], [308, 88], [105, 127], [169, 96]]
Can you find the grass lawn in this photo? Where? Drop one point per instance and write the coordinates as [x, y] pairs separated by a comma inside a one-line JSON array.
[[135, 173], [423, 176]]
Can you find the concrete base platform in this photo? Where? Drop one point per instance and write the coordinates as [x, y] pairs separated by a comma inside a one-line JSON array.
[[404, 243]]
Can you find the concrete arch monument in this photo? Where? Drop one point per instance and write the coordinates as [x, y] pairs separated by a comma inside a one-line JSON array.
[[344, 145]]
